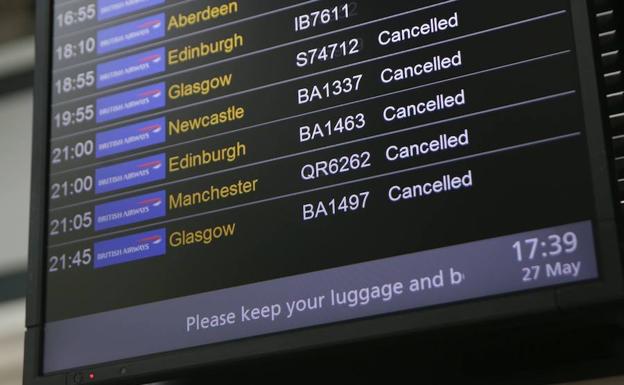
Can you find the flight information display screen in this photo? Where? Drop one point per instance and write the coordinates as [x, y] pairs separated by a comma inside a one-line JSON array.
[[220, 170]]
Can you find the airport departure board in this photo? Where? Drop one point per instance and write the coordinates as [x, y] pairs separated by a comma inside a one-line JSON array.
[[221, 170]]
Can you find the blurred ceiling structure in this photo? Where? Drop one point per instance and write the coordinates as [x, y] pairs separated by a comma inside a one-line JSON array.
[[16, 69], [16, 19]]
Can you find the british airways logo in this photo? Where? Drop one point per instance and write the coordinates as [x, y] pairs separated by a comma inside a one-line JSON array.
[[153, 202], [129, 211], [154, 58], [155, 93], [129, 174], [156, 165], [153, 24], [131, 68], [129, 138], [154, 129], [109, 9], [131, 34], [152, 239], [130, 248], [131, 102]]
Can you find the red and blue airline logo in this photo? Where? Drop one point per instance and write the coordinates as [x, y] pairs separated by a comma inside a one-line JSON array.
[[130, 248], [110, 9], [130, 68], [135, 101], [130, 138], [131, 34], [129, 211], [130, 174]]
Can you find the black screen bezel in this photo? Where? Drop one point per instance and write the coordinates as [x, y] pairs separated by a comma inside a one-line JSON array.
[[544, 302]]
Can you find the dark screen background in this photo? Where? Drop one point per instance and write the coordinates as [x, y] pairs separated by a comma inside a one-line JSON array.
[[523, 105]]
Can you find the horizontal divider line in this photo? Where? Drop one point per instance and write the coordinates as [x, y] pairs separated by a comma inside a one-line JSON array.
[[207, 101], [303, 192], [233, 58], [148, 45], [166, 147], [208, 174]]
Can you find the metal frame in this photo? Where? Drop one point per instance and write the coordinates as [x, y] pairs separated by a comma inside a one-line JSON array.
[[543, 303]]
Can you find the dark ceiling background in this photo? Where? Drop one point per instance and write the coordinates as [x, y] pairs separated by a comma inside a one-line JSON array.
[[16, 19]]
